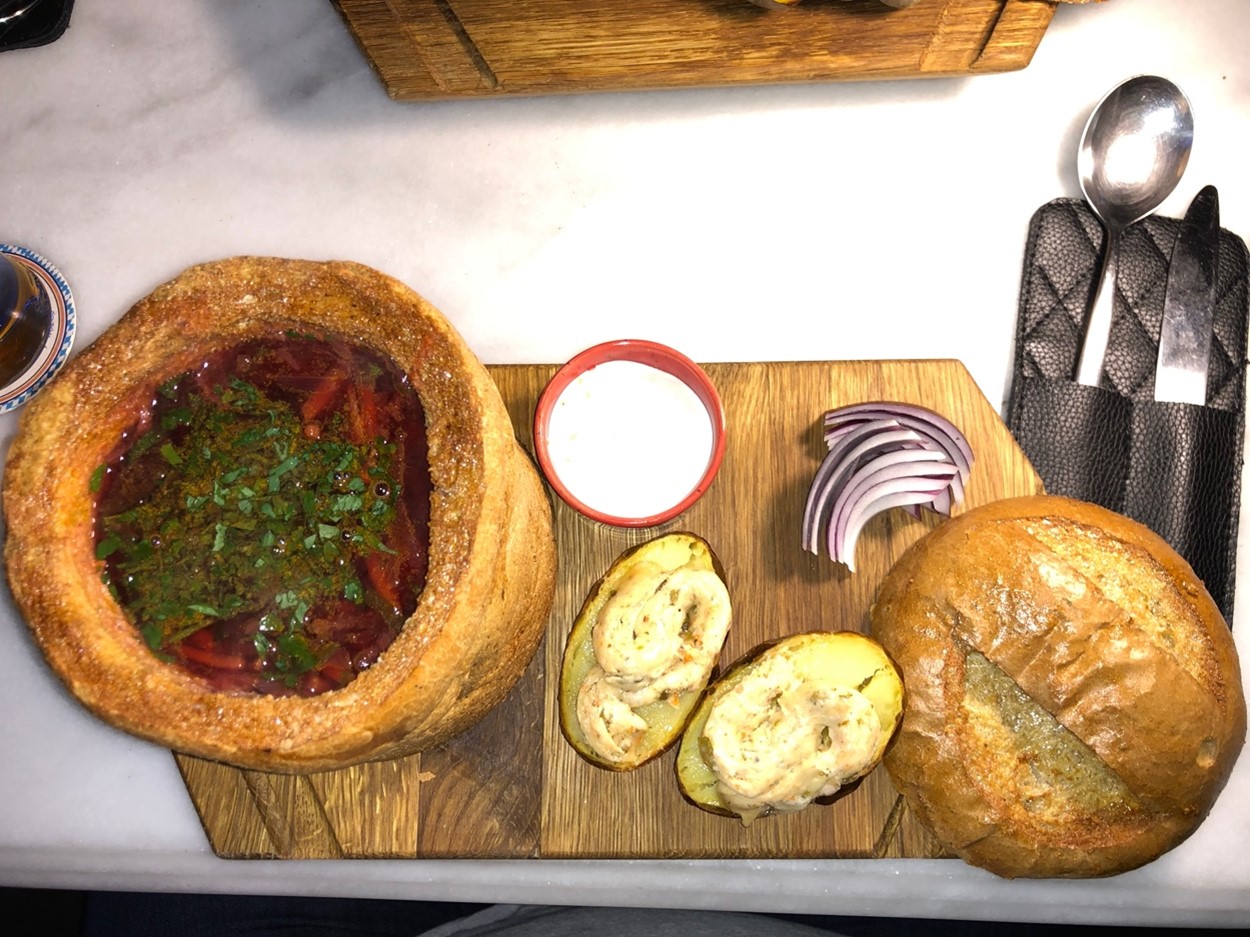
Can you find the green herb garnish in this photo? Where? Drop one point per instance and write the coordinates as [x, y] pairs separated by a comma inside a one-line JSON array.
[[252, 517]]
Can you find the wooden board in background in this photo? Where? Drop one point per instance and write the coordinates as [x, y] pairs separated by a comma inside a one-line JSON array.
[[434, 49], [512, 787]]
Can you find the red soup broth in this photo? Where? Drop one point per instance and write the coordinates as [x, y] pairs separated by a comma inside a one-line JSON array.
[[264, 522]]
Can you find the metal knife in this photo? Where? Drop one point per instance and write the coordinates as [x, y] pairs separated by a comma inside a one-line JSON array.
[[1189, 304]]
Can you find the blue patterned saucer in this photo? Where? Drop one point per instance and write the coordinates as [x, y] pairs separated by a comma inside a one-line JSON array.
[[60, 340]]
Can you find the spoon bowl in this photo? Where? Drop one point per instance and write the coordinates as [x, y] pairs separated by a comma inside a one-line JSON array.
[[1133, 153]]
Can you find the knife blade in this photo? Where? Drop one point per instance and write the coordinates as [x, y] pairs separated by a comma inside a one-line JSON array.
[[1189, 304]]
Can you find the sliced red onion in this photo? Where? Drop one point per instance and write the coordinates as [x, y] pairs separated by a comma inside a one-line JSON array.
[[939, 505], [882, 456], [945, 499], [899, 463], [957, 490], [925, 477], [901, 412], [942, 431], [849, 450], [843, 550]]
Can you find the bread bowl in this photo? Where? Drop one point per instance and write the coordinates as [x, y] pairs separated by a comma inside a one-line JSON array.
[[471, 628], [1074, 695]]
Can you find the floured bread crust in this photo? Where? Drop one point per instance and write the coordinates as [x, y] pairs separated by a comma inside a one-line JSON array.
[[1074, 695], [492, 553]]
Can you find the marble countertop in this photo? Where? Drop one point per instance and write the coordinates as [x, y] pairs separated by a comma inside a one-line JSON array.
[[835, 221]]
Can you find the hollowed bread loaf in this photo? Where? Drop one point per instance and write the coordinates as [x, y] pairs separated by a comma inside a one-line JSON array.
[[491, 553], [1074, 695]]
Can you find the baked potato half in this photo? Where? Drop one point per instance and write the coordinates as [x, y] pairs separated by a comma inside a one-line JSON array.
[[794, 721], [642, 650]]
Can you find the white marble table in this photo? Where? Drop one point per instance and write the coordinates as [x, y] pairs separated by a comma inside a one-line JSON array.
[[822, 221]]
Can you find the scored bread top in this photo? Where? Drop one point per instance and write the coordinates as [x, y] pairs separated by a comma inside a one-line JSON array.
[[1075, 702]]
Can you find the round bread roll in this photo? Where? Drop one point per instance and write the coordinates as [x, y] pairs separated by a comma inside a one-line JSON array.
[[1074, 696], [491, 553]]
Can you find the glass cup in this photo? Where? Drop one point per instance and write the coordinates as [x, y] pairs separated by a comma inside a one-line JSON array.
[[26, 317]]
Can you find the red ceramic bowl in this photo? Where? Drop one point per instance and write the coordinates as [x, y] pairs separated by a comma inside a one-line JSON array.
[[633, 457]]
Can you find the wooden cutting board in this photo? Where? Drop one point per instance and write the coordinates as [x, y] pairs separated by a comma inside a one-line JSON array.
[[432, 49], [512, 786]]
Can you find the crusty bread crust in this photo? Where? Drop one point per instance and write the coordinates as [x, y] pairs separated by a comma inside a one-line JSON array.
[[1122, 713], [492, 552]]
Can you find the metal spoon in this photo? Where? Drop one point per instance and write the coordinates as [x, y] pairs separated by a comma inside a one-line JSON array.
[[1133, 153]]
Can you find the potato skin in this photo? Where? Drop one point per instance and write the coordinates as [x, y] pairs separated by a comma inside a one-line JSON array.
[[847, 658], [672, 551]]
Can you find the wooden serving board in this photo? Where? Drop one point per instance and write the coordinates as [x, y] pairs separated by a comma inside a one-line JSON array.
[[513, 787], [432, 49]]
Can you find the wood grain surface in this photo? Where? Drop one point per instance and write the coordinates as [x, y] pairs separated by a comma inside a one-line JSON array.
[[432, 49], [513, 787]]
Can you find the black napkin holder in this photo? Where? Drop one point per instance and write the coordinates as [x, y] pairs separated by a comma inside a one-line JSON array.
[[1174, 467], [43, 24]]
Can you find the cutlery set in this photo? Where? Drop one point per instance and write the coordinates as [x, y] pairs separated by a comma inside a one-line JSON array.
[[1141, 412], [1133, 153]]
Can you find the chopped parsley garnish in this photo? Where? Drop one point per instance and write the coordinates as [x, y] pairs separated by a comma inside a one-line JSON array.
[[252, 515]]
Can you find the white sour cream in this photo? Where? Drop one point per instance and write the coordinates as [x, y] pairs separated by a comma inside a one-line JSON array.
[[629, 440]]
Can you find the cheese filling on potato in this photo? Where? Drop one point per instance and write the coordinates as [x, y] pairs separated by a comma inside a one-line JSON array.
[[778, 741], [658, 636]]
